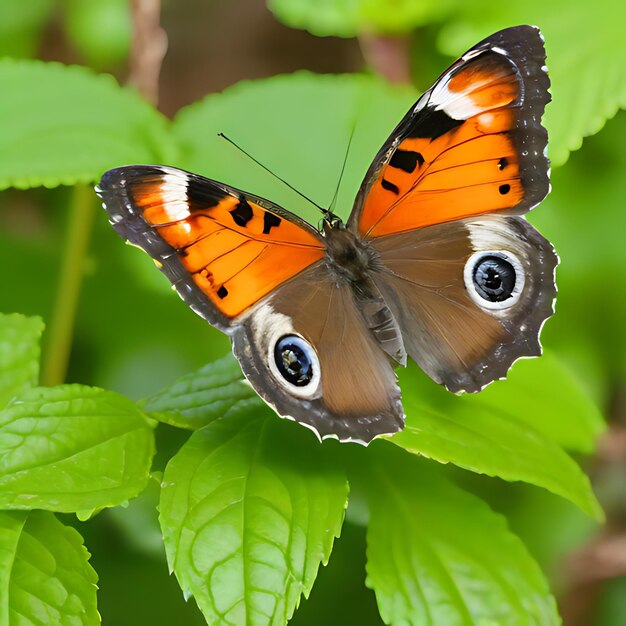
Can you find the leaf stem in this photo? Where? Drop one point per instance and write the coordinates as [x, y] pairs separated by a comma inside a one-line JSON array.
[[388, 56], [59, 341]]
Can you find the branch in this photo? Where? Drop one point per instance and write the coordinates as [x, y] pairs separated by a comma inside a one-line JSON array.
[[149, 45]]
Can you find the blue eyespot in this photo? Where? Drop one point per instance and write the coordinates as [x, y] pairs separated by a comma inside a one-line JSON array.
[[494, 278], [294, 359]]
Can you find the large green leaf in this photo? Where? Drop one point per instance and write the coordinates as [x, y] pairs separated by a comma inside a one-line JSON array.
[[250, 507], [72, 448], [586, 57], [297, 124], [62, 125], [438, 555], [45, 576], [585, 219], [483, 440], [542, 393], [19, 354], [349, 18], [200, 397]]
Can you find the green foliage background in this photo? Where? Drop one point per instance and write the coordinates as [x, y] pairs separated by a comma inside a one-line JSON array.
[[250, 505]]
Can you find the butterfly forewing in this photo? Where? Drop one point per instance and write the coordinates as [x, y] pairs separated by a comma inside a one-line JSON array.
[[235, 247], [473, 144]]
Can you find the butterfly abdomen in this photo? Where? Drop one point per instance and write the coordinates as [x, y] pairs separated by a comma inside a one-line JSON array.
[[352, 261]]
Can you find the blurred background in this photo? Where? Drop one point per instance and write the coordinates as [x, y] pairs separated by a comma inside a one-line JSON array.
[[178, 51]]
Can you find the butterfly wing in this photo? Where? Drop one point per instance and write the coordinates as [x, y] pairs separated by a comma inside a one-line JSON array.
[[440, 205], [233, 258], [222, 249], [356, 395], [463, 336], [473, 144]]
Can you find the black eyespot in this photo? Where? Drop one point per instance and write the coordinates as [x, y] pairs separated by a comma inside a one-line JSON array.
[[494, 278], [294, 361]]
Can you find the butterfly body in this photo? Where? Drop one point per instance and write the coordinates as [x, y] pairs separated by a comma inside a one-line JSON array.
[[436, 261]]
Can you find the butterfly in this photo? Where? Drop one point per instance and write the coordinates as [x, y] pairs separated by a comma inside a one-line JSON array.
[[435, 262]]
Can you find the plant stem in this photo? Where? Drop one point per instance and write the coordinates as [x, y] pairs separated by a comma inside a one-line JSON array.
[[59, 343], [388, 56]]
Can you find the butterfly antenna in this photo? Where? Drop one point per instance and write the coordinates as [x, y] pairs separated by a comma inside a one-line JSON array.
[[343, 169], [267, 169]]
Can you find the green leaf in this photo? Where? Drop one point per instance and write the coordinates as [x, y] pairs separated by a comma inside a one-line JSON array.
[[63, 125], [99, 29], [250, 507], [486, 441], [200, 397], [45, 576], [588, 78], [72, 448], [21, 24], [589, 325], [544, 394], [324, 18], [350, 18], [438, 555], [19, 354], [283, 106]]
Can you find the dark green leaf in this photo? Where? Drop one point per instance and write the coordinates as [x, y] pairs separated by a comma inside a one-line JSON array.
[[544, 394], [19, 354], [438, 555], [45, 576], [250, 507], [72, 448], [200, 397], [483, 440]]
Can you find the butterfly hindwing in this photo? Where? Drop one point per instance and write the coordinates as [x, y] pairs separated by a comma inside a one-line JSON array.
[[463, 336], [354, 394], [472, 144], [222, 249]]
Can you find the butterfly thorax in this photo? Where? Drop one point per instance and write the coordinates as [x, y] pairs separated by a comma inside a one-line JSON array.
[[352, 261], [349, 256]]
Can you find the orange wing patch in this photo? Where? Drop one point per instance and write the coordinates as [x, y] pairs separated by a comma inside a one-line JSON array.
[[235, 250], [457, 156]]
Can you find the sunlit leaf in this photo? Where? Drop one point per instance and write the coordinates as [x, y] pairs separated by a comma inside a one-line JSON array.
[[485, 441], [585, 219], [300, 127], [63, 125], [438, 555], [45, 575], [19, 354], [544, 394], [200, 397], [250, 507], [72, 448], [350, 18], [588, 77]]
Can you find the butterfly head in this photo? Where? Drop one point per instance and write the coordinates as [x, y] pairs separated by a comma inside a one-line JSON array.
[[330, 222]]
